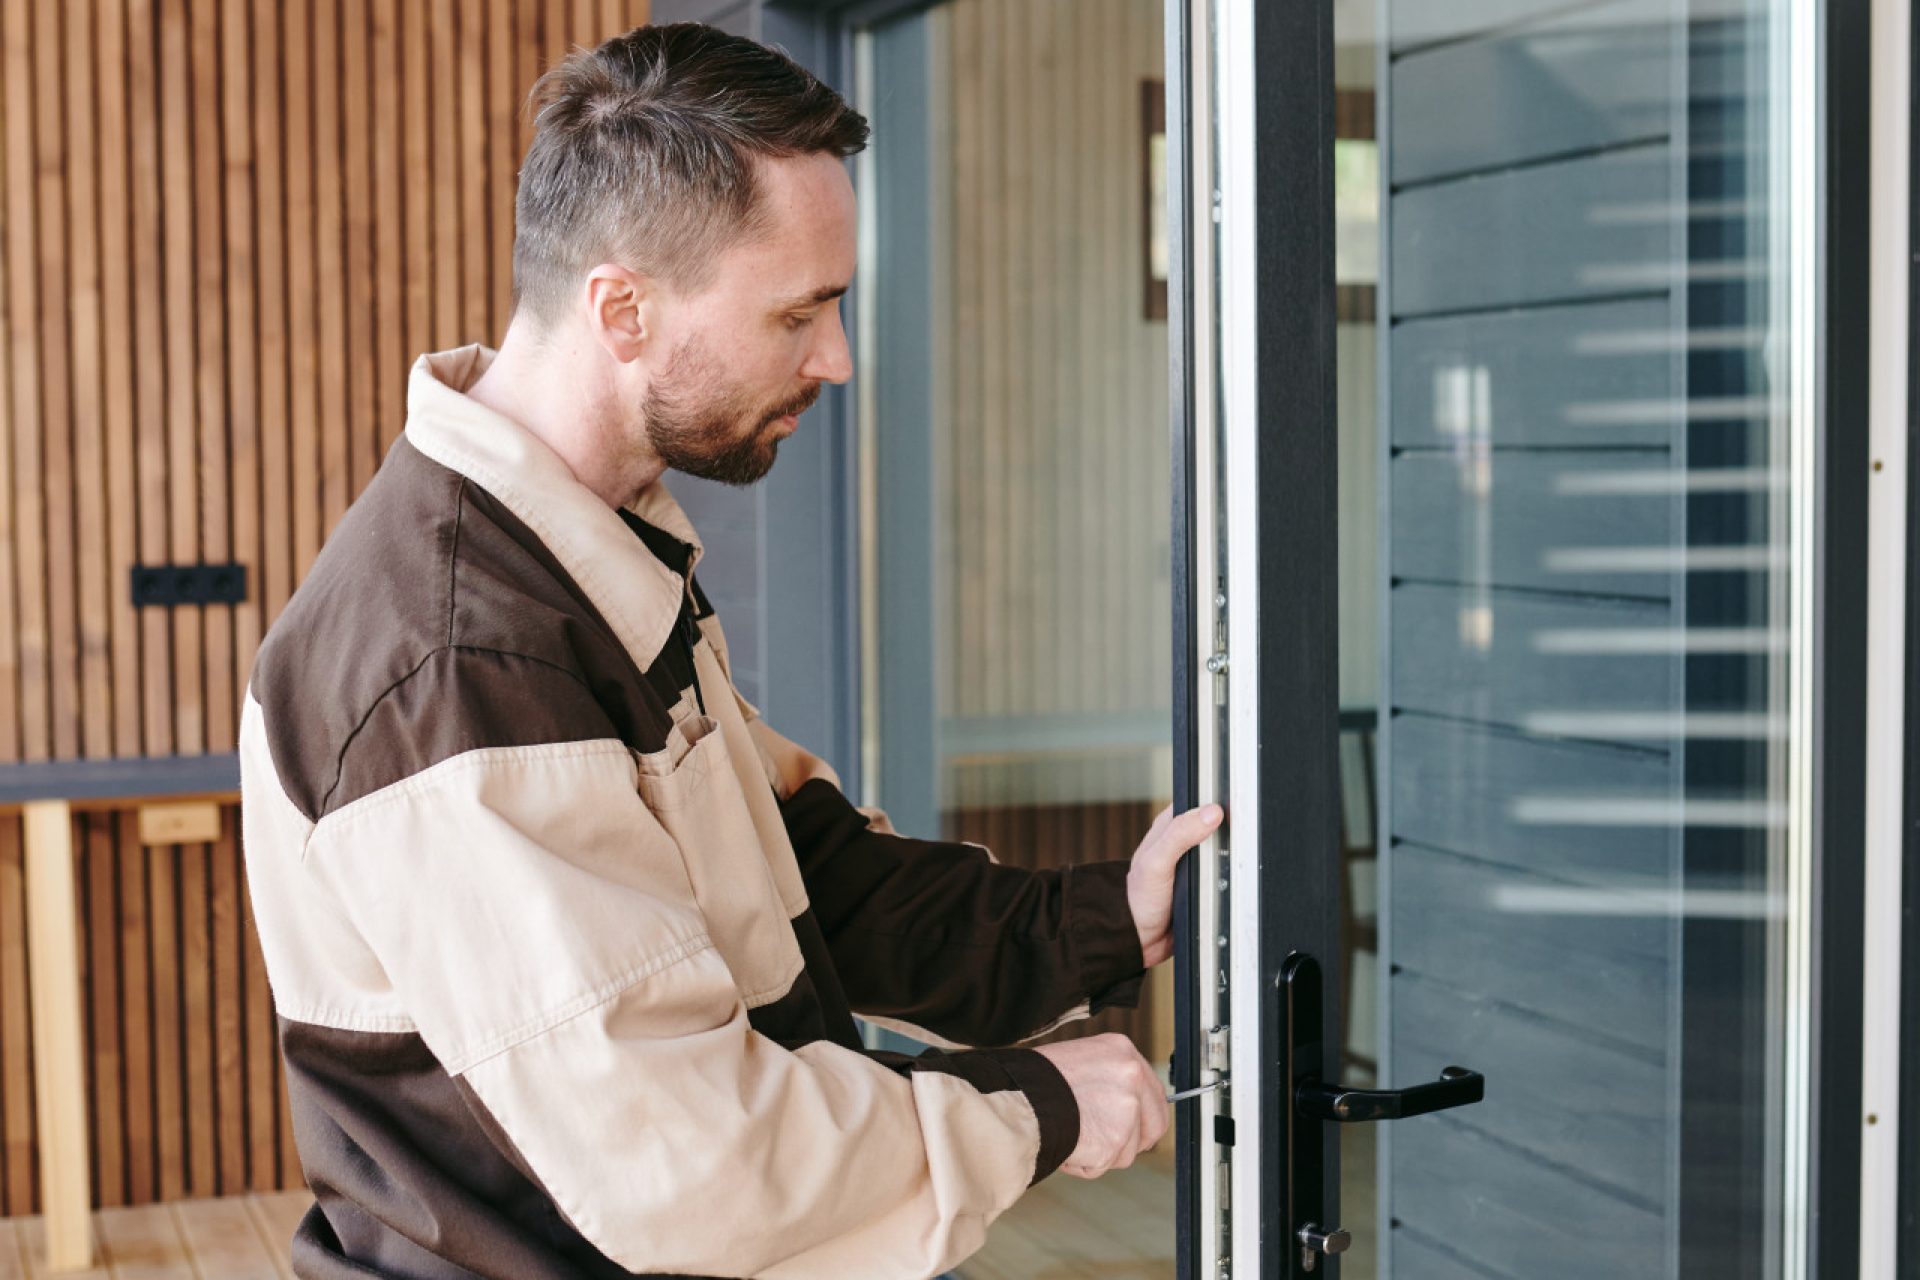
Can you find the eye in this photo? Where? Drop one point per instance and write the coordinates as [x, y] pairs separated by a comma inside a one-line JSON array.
[[796, 323]]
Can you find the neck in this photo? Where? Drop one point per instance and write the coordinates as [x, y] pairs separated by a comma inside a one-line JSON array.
[[558, 387]]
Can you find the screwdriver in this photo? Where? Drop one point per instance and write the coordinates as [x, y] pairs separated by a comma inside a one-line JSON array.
[[1184, 1094]]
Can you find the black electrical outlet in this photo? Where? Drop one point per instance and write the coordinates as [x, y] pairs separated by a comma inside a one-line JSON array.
[[171, 584]]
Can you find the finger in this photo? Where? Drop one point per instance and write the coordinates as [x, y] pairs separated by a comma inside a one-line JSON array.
[[1159, 1115], [1158, 1111], [1123, 1158], [1188, 830]]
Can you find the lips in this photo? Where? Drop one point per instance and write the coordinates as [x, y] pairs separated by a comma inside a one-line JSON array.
[[797, 406]]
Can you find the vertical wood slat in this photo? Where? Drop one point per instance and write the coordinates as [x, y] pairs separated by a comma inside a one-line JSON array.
[[17, 1136], [212, 424], [196, 1016], [502, 32], [179, 336], [389, 201], [302, 305], [243, 372], [151, 402], [56, 354], [445, 154], [362, 373], [9, 622], [329, 223], [263, 1085], [229, 1011], [118, 359], [275, 582], [137, 1026], [24, 329], [99, 884], [416, 152], [471, 135], [169, 1111], [87, 510]]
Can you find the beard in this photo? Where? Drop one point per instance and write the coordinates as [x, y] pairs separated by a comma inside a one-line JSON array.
[[701, 424]]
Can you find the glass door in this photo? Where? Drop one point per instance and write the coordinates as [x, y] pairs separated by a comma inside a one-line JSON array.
[[1497, 622]]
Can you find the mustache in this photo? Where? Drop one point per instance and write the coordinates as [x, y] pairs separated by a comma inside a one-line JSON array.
[[798, 405]]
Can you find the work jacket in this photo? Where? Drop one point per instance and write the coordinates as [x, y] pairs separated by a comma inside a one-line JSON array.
[[565, 942]]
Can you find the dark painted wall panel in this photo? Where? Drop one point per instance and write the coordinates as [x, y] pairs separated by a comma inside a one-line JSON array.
[[1526, 1220], [1572, 229], [1420, 22], [1532, 520], [1592, 79], [1519, 378], [1557, 950], [1413, 1255], [1517, 659], [1552, 1091], [1529, 803]]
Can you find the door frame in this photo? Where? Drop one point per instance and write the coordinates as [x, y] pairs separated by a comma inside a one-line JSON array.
[[1263, 74]]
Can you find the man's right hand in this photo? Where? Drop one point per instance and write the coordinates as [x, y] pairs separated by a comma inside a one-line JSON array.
[[1123, 1105]]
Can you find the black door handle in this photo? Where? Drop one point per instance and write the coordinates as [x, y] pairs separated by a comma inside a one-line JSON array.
[[1309, 1195], [1456, 1087]]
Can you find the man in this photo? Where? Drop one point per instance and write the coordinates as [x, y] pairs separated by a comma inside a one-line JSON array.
[[565, 941]]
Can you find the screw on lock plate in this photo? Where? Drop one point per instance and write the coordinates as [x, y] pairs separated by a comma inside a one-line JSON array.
[[1314, 1242]]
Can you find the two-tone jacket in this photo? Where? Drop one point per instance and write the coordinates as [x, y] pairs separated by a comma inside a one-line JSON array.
[[565, 944]]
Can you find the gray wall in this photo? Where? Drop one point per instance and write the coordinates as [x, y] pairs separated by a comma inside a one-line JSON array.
[[780, 555]]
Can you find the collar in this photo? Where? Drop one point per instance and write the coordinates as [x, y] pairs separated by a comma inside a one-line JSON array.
[[638, 594]]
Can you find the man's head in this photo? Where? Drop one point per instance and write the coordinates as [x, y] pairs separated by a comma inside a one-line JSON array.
[[685, 219]]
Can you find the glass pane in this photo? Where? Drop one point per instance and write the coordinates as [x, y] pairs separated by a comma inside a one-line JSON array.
[[1014, 394], [1565, 471]]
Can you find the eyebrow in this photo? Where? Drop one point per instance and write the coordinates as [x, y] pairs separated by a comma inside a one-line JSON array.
[[825, 293]]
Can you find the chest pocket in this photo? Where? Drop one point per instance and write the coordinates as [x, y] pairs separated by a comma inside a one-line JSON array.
[[693, 787]]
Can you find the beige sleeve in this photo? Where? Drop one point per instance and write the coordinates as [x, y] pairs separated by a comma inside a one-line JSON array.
[[537, 923]]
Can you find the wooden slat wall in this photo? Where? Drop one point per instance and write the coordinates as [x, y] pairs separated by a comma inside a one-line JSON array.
[[185, 1093], [226, 229]]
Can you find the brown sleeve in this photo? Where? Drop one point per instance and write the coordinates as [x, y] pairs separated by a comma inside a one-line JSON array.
[[992, 1071], [939, 936]]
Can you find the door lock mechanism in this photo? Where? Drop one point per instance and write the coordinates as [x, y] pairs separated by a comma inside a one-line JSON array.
[[1316, 1241]]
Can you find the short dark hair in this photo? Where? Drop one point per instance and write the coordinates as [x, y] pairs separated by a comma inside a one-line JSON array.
[[645, 150]]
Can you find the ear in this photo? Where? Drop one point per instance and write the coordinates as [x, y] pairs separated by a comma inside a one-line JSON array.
[[622, 310]]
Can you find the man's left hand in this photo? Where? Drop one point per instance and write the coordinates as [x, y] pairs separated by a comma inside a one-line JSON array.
[[1150, 877]]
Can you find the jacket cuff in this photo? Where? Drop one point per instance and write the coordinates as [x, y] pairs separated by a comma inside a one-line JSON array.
[[1052, 1100], [1104, 938]]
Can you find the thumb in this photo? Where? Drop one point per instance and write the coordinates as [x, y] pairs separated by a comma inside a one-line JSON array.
[[1183, 833]]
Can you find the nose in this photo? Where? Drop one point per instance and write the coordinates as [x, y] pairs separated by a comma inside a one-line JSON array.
[[829, 360]]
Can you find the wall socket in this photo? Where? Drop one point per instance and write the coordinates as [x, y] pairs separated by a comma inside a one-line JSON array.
[[172, 584]]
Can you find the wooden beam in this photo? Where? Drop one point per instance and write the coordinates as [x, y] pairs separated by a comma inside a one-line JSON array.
[[59, 1063]]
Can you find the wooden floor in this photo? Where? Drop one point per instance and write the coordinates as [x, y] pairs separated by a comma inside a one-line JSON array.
[[233, 1238], [1120, 1227]]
